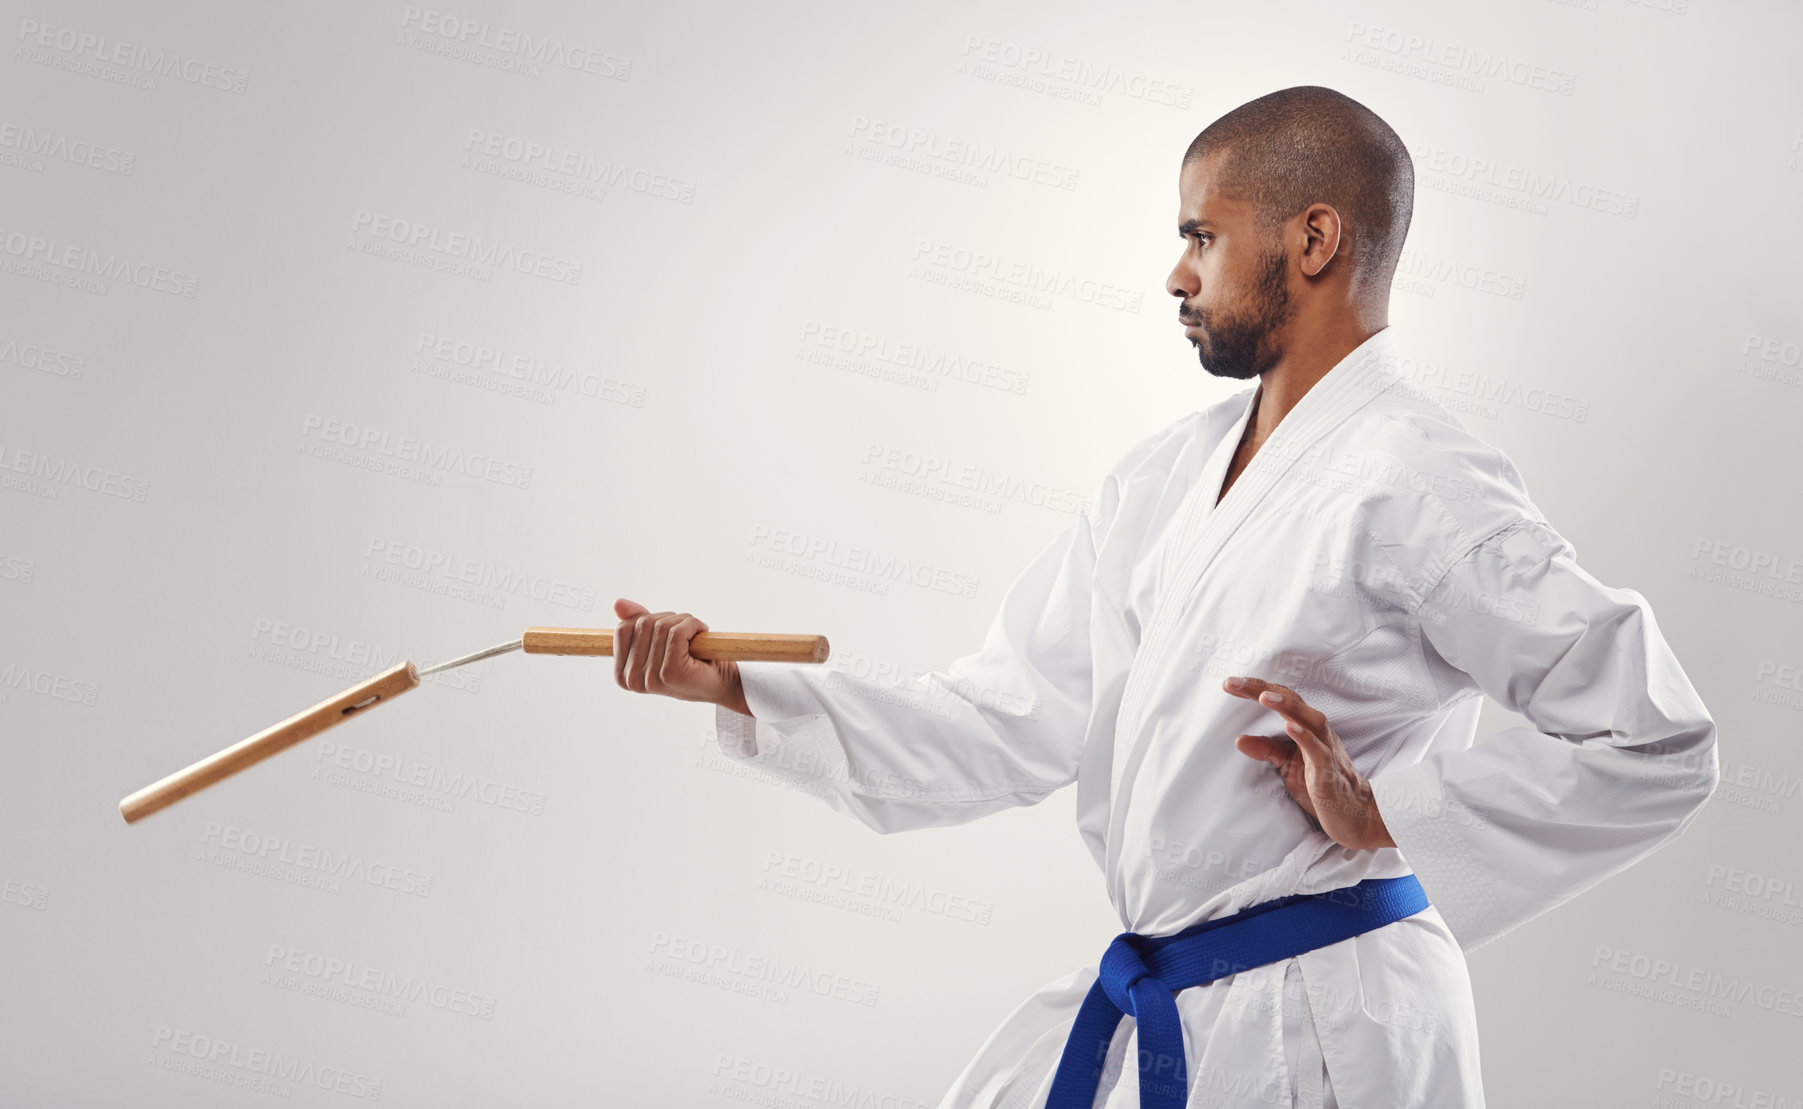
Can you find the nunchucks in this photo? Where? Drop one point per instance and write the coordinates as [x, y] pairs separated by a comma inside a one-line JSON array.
[[402, 676]]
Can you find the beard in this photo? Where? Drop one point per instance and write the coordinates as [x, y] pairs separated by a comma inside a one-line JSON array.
[[1244, 344]]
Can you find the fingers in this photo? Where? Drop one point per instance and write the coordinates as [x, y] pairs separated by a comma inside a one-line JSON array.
[[623, 639], [633, 641], [626, 610], [1286, 758], [656, 647], [1307, 726], [648, 650], [676, 653], [651, 649]]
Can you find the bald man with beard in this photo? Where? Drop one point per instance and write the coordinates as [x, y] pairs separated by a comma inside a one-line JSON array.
[[1260, 654]]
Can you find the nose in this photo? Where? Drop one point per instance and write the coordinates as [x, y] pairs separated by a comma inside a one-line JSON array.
[[1182, 282]]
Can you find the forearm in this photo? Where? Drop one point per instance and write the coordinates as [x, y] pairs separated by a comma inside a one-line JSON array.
[[943, 748]]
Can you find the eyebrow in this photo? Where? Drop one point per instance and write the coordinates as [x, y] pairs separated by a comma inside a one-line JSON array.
[[1190, 227]]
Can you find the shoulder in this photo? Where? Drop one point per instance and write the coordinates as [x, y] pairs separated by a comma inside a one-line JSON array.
[[1151, 461], [1420, 433], [1200, 429], [1428, 483]]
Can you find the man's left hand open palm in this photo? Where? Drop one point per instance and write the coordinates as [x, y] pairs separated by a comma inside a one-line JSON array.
[[1315, 767]]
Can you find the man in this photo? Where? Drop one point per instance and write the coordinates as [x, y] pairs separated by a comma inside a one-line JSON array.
[[1261, 655]]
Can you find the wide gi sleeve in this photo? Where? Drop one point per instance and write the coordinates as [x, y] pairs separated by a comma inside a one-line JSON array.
[[1619, 759], [1001, 727]]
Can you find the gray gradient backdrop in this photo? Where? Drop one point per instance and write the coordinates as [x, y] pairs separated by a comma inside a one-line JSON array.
[[334, 334]]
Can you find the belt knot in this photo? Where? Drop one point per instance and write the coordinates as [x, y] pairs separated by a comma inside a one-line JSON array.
[[1123, 968]]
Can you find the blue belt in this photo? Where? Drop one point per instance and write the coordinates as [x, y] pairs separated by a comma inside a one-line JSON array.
[[1140, 976]]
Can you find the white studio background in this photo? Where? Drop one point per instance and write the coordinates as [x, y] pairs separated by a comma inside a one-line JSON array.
[[756, 301]]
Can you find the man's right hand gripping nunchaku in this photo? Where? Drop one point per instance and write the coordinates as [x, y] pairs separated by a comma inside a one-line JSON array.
[[651, 655]]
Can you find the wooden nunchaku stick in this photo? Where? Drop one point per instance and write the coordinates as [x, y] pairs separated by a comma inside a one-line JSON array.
[[402, 676]]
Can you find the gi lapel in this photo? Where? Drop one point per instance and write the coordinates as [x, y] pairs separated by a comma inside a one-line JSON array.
[[1199, 503], [1353, 382]]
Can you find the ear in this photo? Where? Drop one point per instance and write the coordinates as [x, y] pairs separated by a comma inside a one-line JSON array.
[[1321, 238]]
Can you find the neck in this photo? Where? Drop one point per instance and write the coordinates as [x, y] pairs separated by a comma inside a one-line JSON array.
[[1310, 354]]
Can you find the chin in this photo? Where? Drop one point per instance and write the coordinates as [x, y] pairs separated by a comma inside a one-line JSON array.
[[1234, 373]]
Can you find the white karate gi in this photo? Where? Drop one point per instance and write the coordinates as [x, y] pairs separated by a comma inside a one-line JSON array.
[[1389, 566]]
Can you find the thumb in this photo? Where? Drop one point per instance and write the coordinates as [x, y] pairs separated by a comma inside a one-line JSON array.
[[626, 609], [1263, 748]]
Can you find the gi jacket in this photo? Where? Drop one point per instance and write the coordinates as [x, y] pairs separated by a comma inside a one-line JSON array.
[[1389, 566]]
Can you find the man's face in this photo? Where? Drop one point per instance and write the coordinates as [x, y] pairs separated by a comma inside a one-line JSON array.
[[1233, 280]]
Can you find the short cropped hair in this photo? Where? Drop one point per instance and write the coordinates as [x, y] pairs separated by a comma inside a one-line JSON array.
[[1308, 144]]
